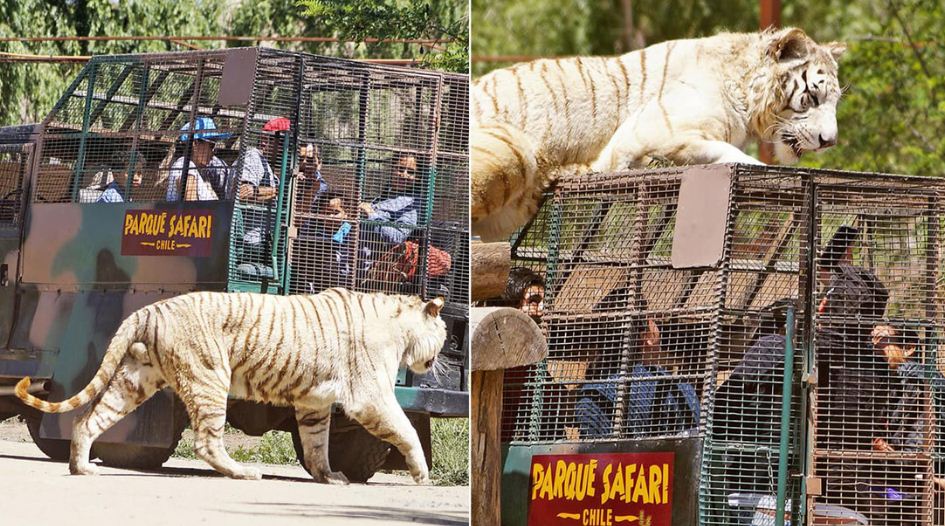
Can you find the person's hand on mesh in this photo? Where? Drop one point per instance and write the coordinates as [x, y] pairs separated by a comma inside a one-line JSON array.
[[309, 161]]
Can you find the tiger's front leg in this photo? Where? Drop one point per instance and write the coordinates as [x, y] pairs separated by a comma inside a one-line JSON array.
[[314, 426], [386, 420]]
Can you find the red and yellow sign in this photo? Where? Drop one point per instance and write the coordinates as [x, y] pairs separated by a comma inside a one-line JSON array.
[[610, 489], [167, 233]]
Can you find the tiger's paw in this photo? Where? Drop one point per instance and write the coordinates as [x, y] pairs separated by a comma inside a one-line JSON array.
[[336, 477], [331, 477], [422, 479], [83, 469], [248, 474]]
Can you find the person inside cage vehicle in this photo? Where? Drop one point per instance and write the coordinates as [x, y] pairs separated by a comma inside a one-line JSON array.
[[659, 403], [526, 291], [390, 255], [872, 391], [207, 175], [257, 191], [110, 183]]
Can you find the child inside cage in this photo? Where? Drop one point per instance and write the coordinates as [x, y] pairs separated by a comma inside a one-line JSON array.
[[325, 239], [525, 291], [109, 183]]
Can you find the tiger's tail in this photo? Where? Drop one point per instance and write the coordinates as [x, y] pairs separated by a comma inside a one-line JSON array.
[[121, 343], [506, 180]]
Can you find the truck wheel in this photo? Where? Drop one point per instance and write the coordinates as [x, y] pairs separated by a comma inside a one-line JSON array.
[[134, 456], [53, 448], [353, 451]]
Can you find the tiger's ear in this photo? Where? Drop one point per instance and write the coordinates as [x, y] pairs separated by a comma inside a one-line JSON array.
[[790, 44], [433, 307], [836, 49]]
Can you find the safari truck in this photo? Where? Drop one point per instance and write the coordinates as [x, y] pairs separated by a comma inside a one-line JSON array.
[[286, 153], [732, 345]]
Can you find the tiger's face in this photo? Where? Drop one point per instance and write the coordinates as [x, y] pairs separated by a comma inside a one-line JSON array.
[[806, 120], [428, 333]]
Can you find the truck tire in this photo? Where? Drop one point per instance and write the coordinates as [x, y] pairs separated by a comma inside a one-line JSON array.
[[134, 456], [53, 448], [353, 451]]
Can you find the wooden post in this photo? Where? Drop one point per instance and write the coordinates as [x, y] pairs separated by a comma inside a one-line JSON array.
[[502, 338], [770, 16], [490, 269]]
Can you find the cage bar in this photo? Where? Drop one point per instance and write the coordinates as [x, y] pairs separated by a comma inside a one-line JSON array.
[[648, 350]]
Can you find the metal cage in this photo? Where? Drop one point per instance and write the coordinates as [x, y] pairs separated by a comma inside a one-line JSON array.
[[243, 169], [666, 310]]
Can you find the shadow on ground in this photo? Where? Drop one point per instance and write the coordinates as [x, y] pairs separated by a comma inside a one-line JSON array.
[[384, 515]]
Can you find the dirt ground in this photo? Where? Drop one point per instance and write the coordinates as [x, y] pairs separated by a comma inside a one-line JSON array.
[[190, 492], [14, 430]]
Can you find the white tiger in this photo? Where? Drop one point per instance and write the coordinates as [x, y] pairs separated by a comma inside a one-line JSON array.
[[686, 101], [307, 351]]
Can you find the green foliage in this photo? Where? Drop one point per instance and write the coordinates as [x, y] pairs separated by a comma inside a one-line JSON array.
[[597, 27], [891, 118], [401, 19], [450, 438], [28, 91], [274, 448], [185, 447]]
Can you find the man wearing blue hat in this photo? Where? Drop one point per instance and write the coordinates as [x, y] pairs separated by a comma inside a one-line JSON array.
[[207, 175]]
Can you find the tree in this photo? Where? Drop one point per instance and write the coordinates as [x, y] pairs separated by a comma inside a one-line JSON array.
[[29, 91], [401, 19]]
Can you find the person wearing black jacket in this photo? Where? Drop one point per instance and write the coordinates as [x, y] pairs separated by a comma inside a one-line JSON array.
[[851, 376]]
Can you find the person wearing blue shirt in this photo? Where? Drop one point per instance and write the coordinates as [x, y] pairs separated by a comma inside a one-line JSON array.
[[659, 403], [400, 205], [114, 190]]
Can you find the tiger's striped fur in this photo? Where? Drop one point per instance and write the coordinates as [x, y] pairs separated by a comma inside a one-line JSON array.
[[685, 101], [305, 351]]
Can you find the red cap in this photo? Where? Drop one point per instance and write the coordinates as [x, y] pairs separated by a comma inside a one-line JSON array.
[[279, 124]]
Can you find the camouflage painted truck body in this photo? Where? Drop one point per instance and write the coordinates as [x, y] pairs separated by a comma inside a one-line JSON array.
[[74, 267]]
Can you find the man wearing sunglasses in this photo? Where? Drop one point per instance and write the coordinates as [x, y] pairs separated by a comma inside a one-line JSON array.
[[207, 176]]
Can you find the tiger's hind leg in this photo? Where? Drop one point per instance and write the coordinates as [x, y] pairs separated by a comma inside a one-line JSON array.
[[314, 426], [506, 182], [131, 386], [207, 416], [386, 420]]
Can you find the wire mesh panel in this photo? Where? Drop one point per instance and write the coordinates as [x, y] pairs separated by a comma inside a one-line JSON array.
[[117, 133], [629, 336], [877, 327], [385, 210], [766, 269], [644, 346], [14, 164]]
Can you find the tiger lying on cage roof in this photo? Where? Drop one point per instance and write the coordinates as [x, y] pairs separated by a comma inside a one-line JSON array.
[[679, 102]]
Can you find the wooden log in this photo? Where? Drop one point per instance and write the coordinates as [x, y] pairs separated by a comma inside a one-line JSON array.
[[487, 447], [490, 269], [502, 337]]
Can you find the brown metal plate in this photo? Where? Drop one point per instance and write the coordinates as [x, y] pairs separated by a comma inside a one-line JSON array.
[[700, 217], [236, 88]]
